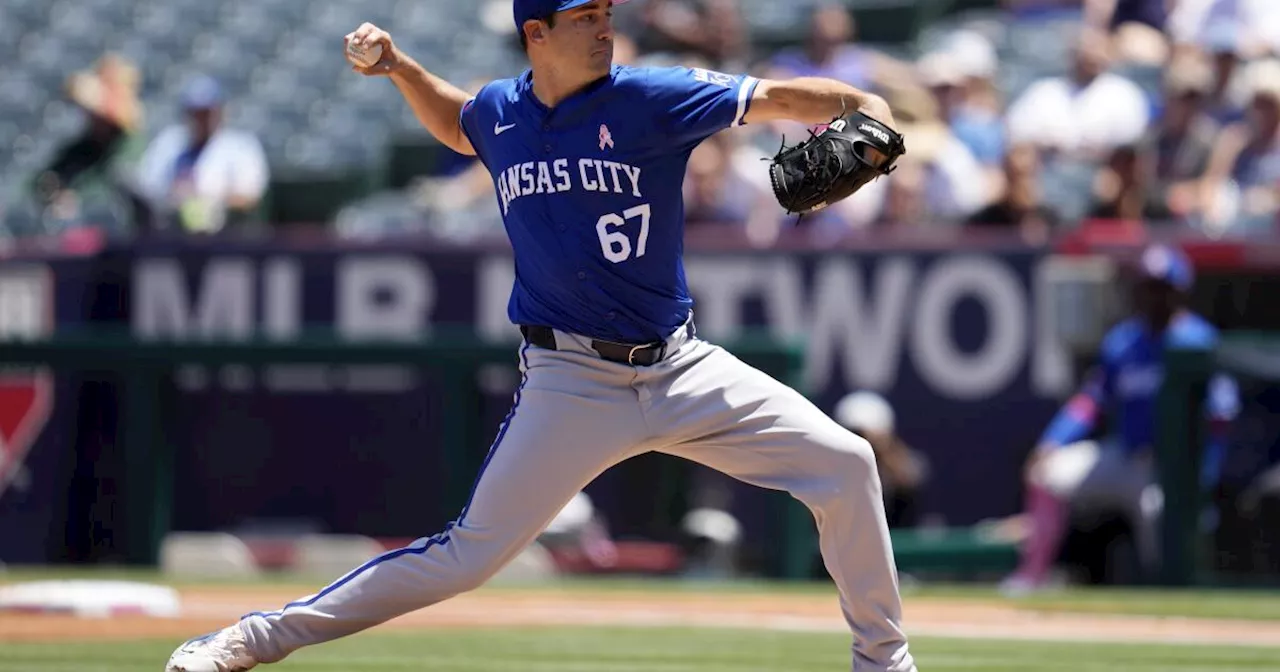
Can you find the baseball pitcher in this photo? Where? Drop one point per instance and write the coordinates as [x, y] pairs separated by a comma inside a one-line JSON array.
[[588, 160]]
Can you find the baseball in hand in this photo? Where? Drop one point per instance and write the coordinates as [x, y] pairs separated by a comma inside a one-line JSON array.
[[365, 58]]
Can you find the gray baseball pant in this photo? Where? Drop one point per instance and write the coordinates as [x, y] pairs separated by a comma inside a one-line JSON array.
[[574, 416], [1091, 474]]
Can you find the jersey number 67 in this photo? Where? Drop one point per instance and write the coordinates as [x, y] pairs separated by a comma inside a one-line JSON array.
[[615, 244]]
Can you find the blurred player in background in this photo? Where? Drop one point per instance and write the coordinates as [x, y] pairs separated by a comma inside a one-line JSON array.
[[1118, 471]]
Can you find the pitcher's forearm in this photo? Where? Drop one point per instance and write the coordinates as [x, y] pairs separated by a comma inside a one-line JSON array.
[[813, 100], [435, 102]]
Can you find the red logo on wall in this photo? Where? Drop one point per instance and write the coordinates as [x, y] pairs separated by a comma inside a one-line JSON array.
[[26, 394]]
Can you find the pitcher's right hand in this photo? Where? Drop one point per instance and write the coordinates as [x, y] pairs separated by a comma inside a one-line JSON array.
[[369, 36]]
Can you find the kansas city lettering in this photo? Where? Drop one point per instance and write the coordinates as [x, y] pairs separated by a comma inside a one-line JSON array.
[[542, 177]]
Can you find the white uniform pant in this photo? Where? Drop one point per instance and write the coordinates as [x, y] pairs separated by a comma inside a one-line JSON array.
[[574, 416], [1092, 476]]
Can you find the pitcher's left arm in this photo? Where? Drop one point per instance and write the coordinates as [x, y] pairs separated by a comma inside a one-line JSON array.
[[814, 100]]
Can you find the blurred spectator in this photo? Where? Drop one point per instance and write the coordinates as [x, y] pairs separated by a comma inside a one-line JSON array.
[[1222, 46], [1020, 207], [905, 197], [1085, 114], [1178, 145], [95, 164], [1030, 6], [1112, 15], [1136, 27], [1232, 32], [713, 194], [1117, 472], [1121, 189], [903, 470], [710, 29], [624, 49], [200, 174], [1251, 28], [831, 50], [961, 76], [1243, 177], [726, 184], [954, 180]]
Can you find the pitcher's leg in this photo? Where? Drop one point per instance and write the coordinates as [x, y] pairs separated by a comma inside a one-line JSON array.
[[564, 430], [744, 423]]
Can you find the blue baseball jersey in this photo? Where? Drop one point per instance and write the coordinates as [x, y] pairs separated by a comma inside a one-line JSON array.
[[1126, 384], [590, 193]]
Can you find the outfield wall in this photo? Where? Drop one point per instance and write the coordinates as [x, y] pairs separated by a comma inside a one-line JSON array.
[[948, 333]]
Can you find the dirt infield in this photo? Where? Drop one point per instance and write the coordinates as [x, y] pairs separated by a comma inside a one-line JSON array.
[[209, 608]]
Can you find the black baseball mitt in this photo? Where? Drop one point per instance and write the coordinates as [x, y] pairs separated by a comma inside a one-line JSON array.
[[852, 151]]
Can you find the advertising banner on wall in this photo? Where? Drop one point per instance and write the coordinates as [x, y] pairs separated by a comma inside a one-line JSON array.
[[957, 342], [42, 476]]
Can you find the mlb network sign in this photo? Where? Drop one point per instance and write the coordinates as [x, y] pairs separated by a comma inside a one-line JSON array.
[[966, 326], [26, 394]]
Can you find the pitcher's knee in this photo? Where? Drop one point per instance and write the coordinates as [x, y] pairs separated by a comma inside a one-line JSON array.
[[468, 579], [853, 457], [845, 471], [469, 573], [473, 562]]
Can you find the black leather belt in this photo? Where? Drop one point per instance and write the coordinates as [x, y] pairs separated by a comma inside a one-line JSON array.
[[645, 354]]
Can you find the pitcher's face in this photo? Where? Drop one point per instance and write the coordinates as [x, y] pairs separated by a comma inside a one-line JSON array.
[[583, 38]]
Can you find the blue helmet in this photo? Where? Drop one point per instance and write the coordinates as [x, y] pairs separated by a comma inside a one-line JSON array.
[[536, 9]]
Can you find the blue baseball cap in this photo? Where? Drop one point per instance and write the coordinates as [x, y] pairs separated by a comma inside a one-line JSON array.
[[536, 9], [202, 93], [1169, 265]]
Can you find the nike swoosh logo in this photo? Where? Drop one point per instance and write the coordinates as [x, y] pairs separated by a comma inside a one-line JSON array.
[[497, 130]]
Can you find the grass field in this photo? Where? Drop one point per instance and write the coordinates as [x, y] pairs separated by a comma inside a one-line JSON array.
[[675, 626], [650, 650], [1255, 604]]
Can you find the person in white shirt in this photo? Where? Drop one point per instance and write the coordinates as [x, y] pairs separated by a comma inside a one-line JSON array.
[[1253, 24], [200, 173], [1085, 114]]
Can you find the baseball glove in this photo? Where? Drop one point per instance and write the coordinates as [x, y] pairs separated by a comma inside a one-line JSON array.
[[828, 167]]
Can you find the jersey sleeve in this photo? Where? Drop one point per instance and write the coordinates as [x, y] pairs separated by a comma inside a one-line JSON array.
[[1222, 405], [1079, 416], [694, 103], [472, 126], [467, 120]]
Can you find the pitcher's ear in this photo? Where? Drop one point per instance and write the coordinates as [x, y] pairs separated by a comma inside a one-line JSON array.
[[534, 30]]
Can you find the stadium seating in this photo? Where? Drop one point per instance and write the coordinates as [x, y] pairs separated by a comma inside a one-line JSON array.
[[287, 81], [278, 59]]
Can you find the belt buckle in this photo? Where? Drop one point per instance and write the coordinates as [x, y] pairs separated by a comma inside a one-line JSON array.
[[631, 354]]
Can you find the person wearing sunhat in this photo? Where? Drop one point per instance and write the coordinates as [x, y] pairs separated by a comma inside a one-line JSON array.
[[904, 471], [94, 163], [200, 174]]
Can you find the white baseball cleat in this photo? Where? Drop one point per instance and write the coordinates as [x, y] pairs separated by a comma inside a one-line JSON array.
[[221, 651]]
